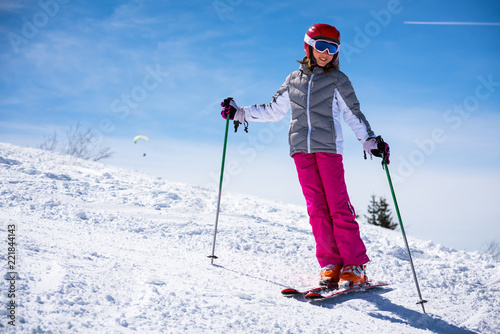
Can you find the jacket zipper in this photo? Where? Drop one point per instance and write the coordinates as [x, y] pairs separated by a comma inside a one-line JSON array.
[[308, 115]]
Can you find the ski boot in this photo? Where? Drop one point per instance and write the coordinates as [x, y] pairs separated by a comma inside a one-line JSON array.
[[330, 274], [352, 275]]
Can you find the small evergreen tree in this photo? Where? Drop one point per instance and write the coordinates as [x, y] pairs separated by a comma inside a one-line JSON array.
[[385, 215], [380, 214], [372, 211]]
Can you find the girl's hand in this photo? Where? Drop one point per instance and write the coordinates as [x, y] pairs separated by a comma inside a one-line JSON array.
[[233, 112], [377, 147]]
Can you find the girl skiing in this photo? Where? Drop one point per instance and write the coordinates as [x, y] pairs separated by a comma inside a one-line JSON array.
[[317, 94]]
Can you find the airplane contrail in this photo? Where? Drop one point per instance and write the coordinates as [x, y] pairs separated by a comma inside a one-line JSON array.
[[456, 23]]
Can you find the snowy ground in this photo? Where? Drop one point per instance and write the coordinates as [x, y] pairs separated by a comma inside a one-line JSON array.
[[106, 250]]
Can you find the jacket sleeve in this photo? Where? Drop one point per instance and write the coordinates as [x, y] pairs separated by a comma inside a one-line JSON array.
[[348, 104], [272, 112]]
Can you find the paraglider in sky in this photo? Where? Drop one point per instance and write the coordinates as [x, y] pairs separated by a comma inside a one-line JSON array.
[[136, 138], [139, 137]]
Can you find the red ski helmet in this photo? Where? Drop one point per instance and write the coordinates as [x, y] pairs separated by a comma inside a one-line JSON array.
[[322, 31]]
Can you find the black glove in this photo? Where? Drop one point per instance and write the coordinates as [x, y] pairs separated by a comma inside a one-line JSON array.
[[227, 109], [231, 110], [378, 148]]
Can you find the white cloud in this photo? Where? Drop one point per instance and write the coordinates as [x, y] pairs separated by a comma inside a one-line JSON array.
[[13, 5]]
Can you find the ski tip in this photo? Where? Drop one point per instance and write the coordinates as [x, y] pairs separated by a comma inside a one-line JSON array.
[[289, 291], [313, 295]]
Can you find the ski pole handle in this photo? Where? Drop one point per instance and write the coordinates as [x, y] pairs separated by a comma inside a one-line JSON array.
[[226, 109]]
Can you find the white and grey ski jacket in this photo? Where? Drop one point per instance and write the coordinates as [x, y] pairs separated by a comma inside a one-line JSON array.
[[316, 101]]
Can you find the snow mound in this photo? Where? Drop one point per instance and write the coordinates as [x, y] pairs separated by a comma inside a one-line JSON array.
[[106, 250]]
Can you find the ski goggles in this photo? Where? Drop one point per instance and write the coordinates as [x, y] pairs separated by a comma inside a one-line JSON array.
[[322, 45]]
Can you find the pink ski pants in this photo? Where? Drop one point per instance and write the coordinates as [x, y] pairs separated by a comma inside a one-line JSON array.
[[331, 215]]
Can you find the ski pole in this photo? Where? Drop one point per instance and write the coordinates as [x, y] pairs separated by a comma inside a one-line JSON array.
[[421, 301], [226, 107]]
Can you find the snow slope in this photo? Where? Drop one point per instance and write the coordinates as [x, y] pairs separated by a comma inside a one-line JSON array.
[[107, 250]]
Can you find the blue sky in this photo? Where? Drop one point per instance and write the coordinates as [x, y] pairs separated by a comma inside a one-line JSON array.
[[161, 69]]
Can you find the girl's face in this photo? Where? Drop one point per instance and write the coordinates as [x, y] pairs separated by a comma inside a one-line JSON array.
[[322, 58]]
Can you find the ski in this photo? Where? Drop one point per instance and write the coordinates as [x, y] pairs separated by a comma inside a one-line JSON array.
[[291, 292], [332, 293]]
